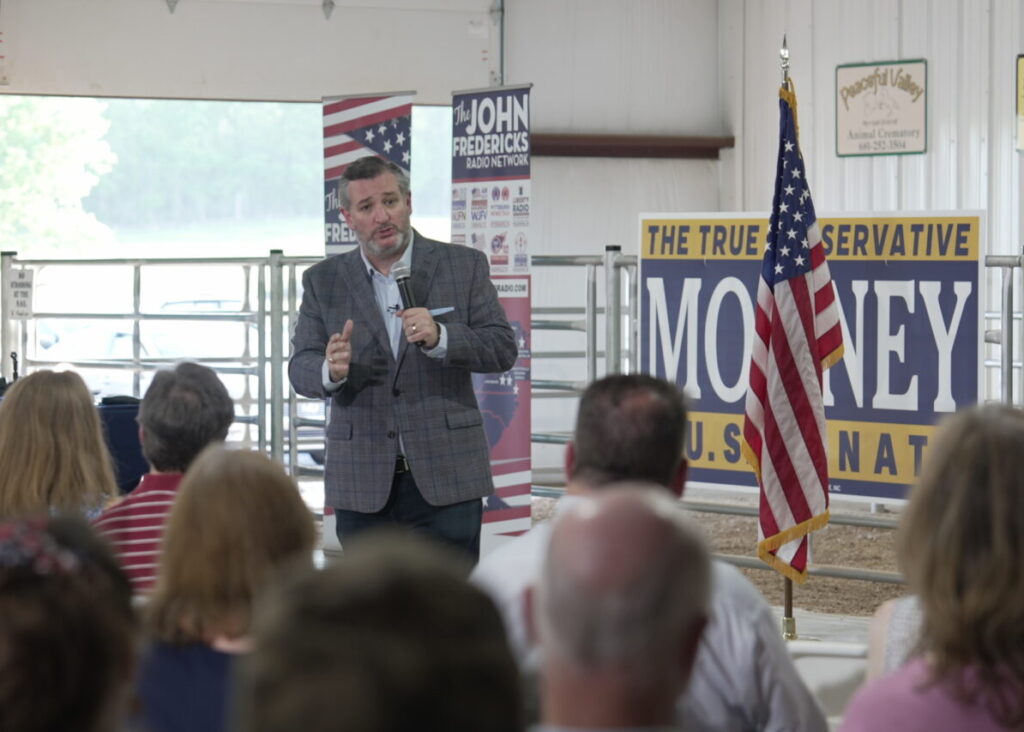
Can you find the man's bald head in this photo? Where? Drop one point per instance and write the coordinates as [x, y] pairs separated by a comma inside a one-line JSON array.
[[626, 584]]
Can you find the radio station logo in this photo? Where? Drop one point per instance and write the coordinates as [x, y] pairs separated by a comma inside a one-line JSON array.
[[499, 244], [478, 206], [499, 252], [521, 207], [501, 209], [521, 258], [458, 206]]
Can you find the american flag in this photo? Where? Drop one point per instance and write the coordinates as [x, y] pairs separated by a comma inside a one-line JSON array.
[[797, 335], [358, 126]]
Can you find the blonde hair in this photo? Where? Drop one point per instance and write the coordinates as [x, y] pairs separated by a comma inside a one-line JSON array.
[[52, 449], [961, 546], [236, 520]]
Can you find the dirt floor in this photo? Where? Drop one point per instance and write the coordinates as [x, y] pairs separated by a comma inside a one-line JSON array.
[[837, 545], [843, 546]]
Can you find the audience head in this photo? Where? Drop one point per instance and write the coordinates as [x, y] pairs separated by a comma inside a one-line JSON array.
[[367, 168], [52, 450], [67, 630], [629, 427], [393, 635], [960, 545], [623, 598], [236, 521], [183, 410]]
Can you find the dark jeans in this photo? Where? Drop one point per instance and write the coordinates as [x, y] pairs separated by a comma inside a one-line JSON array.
[[457, 525]]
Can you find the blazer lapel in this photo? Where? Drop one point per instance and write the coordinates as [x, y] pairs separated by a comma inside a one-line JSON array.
[[424, 262]]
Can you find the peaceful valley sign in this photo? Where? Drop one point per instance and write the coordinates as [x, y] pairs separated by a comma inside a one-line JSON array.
[[881, 108]]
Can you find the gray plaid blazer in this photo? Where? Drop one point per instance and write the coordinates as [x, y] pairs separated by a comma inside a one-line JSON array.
[[429, 401]]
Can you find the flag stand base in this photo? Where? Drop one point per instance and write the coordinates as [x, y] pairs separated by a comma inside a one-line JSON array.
[[788, 621], [789, 629]]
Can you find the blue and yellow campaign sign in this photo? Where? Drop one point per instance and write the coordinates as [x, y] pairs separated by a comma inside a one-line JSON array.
[[908, 290]]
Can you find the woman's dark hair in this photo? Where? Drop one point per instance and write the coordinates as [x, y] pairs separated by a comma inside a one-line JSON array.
[[67, 628], [183, 411]]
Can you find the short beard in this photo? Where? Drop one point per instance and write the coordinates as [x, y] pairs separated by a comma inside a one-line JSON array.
[[375, 251]]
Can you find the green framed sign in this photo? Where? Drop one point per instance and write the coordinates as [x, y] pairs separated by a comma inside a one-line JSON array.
[[881, 108]]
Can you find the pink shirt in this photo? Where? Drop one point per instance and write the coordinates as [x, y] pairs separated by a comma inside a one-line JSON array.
[[904, 700], [135, 526]]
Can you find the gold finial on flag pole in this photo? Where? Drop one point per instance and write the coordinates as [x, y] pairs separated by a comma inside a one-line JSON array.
[[784, 57]]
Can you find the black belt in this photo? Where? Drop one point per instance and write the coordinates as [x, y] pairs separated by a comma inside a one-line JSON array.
[[401, 465]]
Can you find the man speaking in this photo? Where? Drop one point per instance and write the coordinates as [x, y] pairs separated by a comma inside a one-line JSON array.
[[405, 439]]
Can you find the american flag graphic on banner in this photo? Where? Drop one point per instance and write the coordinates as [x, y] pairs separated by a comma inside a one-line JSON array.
[[797, 336], [507, 512], [505, 406], [353, 128]]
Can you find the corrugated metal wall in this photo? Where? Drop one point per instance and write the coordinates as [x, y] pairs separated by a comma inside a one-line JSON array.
[[275, 50], [970, 47], [624, 67], [971, 161]]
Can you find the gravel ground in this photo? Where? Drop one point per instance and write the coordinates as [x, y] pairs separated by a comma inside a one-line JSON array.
[[843, 546]]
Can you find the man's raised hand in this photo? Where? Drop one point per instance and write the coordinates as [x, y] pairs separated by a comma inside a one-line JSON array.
[[339, 353]]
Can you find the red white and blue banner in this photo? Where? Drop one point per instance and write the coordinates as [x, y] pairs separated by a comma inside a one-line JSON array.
[[491, 212], [908, 293], [356, 126]]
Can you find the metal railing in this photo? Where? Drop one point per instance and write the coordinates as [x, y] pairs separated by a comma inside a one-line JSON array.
[[619, 303], [276, 307], [280, 424], [1009, 267], [20, 335]]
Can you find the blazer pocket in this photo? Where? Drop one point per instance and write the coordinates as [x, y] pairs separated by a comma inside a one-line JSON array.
[[339, 430], [458, 420]]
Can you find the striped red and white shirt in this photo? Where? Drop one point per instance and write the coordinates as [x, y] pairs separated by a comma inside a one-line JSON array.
[[135, 526]]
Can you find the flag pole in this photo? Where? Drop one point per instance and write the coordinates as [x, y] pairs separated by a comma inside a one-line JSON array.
[[788, 621], [784, 57]]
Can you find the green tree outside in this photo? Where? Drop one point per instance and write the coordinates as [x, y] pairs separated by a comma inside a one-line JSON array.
[[83, 177], [193, 162], [52, 154]]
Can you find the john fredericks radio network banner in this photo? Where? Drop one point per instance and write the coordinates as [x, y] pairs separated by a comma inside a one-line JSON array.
[[908, 290], [491, 212]]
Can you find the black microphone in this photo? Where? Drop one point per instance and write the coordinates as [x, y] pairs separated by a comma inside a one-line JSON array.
[[400, 271]]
